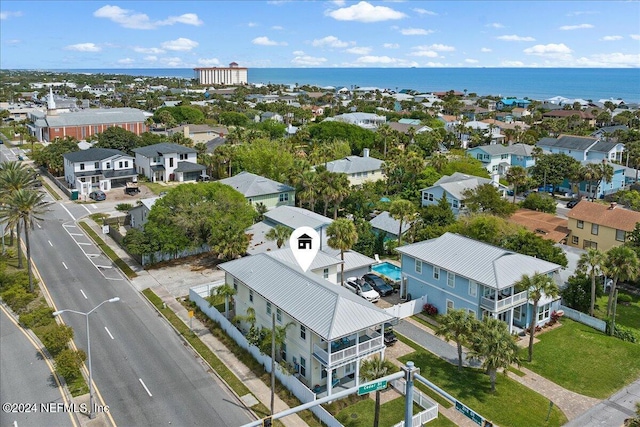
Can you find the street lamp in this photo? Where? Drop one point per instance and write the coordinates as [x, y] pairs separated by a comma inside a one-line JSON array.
[[92, 413]]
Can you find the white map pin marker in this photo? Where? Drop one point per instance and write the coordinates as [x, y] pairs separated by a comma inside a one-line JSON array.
[[304, 243]]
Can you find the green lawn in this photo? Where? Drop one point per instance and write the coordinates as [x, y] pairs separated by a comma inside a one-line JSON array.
[[585, 360], [361, 414], [626, 315], [511, 405]]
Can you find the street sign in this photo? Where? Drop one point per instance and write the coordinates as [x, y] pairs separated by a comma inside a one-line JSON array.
[[365, 389], [469, 413]]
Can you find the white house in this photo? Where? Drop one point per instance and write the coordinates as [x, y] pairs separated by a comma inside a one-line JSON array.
[[258, 189], [98, 168], [168, 162], [358, 169], [364, 120], [139, 214]]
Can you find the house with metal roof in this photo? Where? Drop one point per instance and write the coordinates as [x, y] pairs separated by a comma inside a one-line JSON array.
[[505, 103], [98, 169], [364, 120], [498, 158], [583, 148], [456, 272], [453, 188], [597, 189], [329, 330], [166, 162], [138, 215], [385, 224], [258, 189], [358, 169]]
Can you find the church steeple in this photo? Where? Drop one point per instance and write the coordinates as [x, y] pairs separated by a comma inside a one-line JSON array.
[[51, 103]]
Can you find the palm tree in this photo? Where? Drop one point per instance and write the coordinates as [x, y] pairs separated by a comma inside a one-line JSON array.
[[621, 263], [456, 325], [342, 235], [341, 188], [372, 369], [494, 345], [591, 261], [26, 207], [279, 233], [402, 210], [516, 176], [537, 286], [227, 292], [438, 162]]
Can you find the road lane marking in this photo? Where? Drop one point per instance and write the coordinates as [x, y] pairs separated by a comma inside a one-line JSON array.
[[50, 244], [87, 209], [38, 225], [83, 294], [76, 234], [81, 243], [145, 387], [95, 208], [65, 208], [105, 328], [65, 266]]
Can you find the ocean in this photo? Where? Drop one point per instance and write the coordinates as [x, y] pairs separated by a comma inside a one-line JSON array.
[[535, 83]]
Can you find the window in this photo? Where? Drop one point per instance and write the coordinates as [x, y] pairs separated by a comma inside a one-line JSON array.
[[108, 165], [235, 284], [575, 240], [269, 308], [580, 224], [594, 229], [81, 166], [454, 204], [436, 273], [303, 332], [251, 295], [284, 197], [504, 156], [494, 168], [473, 288], [543, 312], [184, 156], [120, 165], [589, 244], [471, 312], [620, 235], [451, 279], [418, 266], [325, 273], [303, 366], [279, 315], [479, 156], [428, 196], [283, 351], [450, 305], [96, 165], [170, 162]]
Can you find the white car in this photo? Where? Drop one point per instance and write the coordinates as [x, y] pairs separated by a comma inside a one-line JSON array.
[[362, 288]]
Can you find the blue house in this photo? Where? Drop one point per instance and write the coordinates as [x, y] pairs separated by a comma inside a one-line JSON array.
[[512, 103], [583, 148], [595, 189], [498, 158], [456, 272]]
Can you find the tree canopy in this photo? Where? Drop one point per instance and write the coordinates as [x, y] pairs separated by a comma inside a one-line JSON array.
[[118, 138]]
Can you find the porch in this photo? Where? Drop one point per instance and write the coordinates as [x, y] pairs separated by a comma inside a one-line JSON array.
[[348, 348], [338, 385], [501, 300]]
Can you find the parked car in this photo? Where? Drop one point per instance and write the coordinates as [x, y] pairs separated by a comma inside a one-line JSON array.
[[204, 178], [378, 284], [572, 203], [362, 288], [98, 195], [389, 337]]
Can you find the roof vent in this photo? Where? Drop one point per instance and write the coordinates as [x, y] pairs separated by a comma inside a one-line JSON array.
[[612, 206]]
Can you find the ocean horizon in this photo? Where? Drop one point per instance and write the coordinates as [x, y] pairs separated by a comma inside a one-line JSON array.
[[533, 83]]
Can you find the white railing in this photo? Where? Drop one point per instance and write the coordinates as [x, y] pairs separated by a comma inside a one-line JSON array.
[[375, 343], [503, 303], [430, 407]]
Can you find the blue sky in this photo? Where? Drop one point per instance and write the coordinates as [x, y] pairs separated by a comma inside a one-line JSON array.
[[183, 34]]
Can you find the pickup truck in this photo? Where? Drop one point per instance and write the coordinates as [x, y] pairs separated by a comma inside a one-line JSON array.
[[131, 188], [389, 337]]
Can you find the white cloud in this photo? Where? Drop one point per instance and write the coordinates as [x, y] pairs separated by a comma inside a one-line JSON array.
[[150, 58], [427, 53], [12, 41], [548, 49], [434, 64], [391, 45], [126, 61], [172, 62], [471, 61], [265, 41], [611, 38], [329, 41], [439, 48], [485, 50], [152, 50], [635, 36], [512, 64], [365, 12], [307, 60], [252, 24], [516, 38], [84, 47], [575, 27], [181, 44], [298, 52], [415, 32], [424, 11], [495, 25], [584, 12], [359, 50], [208, 62], [277, 28], [141, 21], [370, 59], [613, 60], [8, 14]]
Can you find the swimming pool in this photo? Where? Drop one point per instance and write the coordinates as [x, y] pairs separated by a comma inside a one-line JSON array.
[[388, 270]]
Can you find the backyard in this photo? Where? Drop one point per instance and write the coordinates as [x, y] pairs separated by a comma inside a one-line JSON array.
[[627, 315]]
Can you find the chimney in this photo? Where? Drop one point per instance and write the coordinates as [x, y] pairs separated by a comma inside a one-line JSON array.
[[612, 206], [365, 152]]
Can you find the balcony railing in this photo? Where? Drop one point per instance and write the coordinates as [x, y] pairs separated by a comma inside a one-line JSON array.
[[349, 350], [503, 302]]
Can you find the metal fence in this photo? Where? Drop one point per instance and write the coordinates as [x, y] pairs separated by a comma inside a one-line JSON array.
[[578, 316], [430, 407], [198, 295]]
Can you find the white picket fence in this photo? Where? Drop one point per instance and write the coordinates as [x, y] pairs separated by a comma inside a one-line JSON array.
[[407, 309], [198, 295], [430, 407], [578, 316]]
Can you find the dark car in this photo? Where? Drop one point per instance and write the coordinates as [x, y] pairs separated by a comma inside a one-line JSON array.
[[572, 203], [379, 284], [389, 337], [98, 195]]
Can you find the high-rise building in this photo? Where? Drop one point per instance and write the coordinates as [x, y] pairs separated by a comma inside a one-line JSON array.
[[231, 75]]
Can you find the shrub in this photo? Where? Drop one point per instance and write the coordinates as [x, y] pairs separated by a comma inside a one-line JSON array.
[[39, 316], [540, 202], [430, 309], [17, 297], [625, 334], [56, 337], [624, 299], [68, 363], [124, 207]]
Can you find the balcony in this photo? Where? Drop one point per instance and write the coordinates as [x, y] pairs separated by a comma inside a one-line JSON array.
[[346, 349], [503, 302]]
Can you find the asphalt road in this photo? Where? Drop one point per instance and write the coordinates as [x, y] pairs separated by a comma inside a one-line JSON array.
[[145, 373], [27, 382]]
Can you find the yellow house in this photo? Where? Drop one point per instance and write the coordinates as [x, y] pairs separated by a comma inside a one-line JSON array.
[[358, 169], [598, 226]]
